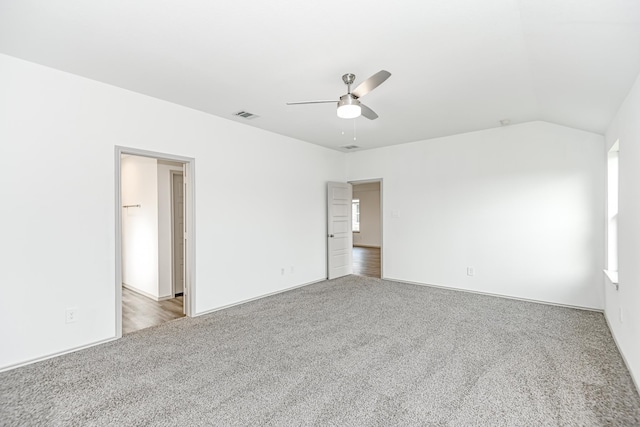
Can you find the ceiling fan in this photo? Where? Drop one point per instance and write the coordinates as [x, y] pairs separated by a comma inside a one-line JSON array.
[[349, 105]]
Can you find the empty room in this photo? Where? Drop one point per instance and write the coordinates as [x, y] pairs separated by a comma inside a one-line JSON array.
[[375, 213]]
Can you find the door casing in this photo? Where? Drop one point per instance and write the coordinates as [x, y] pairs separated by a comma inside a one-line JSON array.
[[189, 218]]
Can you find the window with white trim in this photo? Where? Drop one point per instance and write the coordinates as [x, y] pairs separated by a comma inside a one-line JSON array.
[[355, 215]]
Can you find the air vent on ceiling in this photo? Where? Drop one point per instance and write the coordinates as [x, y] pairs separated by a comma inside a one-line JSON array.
[[245, 115], [349, 147]]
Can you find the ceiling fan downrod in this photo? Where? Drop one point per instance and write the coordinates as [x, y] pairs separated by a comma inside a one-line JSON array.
[[348, 79]]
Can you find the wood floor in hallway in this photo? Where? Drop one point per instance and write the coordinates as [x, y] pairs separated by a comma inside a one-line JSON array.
[[140, 312], [366, 261]]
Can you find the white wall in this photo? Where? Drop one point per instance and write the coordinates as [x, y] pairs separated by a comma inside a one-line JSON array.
[[140, 225], [523, 205], [370, 232], [165, 265], [260, 204], [626, 128]]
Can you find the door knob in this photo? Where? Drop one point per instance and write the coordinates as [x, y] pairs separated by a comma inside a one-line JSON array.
[[330, 235]]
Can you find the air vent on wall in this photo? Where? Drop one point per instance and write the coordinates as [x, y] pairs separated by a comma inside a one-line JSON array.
[[349, 147], [245, 115]]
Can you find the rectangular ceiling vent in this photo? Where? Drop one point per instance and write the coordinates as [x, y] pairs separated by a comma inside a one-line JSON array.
[[349, 147], [245, 115]]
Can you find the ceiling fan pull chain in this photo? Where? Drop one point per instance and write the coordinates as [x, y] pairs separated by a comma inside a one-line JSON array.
[[354, 129]]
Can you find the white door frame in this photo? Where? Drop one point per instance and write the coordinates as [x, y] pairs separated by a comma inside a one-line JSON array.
[[190, 244], [380, 180]]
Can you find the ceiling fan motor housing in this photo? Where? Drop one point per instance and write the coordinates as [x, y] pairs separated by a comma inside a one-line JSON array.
[[348, 99]]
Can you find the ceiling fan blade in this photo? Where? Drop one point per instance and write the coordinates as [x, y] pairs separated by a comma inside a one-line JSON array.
[[310, 102], [371, 83], [368, 112]]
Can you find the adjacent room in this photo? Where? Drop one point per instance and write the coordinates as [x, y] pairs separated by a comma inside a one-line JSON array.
[[152, 244], [366, 227], [290, 213]]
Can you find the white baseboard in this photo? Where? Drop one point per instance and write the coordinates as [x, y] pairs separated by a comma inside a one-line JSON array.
[[606, 318], [71, 350], [258, 297], [624, 359], [577, 307], [145, 294], [56, 354]]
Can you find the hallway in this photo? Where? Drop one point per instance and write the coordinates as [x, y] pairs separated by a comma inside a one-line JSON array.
[[366, 261], [140, 312]]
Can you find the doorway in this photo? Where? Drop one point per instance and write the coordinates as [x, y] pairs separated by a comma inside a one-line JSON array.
[[154, 251], [366, 214], [177, 231]]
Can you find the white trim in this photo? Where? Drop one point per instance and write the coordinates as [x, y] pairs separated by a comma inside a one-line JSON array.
[[190, 246], [56, 354], [613, 276], [118, 242], [576, 307], [624, 359], [260, 297], [615, 147], [74, 349], [189, 285], [382, 227]]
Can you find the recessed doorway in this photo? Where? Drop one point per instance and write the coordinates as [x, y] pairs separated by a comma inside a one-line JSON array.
[[154, 252], [366, 211]]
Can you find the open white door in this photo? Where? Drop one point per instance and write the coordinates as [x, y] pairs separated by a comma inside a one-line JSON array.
[[340, 237]]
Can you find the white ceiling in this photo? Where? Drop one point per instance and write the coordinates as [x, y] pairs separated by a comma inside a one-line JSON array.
[[457, 65]]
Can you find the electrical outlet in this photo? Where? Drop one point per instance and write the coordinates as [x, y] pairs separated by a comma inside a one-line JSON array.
[[292, 269], [470, 271], [621, 315], [282, 271], [71, 315]]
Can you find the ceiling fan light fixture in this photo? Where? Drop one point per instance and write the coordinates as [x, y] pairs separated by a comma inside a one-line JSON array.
[[349, 111], [349, 107]]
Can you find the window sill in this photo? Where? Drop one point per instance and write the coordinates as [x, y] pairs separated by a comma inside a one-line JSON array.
[[613, 276]]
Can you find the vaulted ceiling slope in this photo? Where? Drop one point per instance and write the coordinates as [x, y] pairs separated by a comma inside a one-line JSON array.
[[457, 65]]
